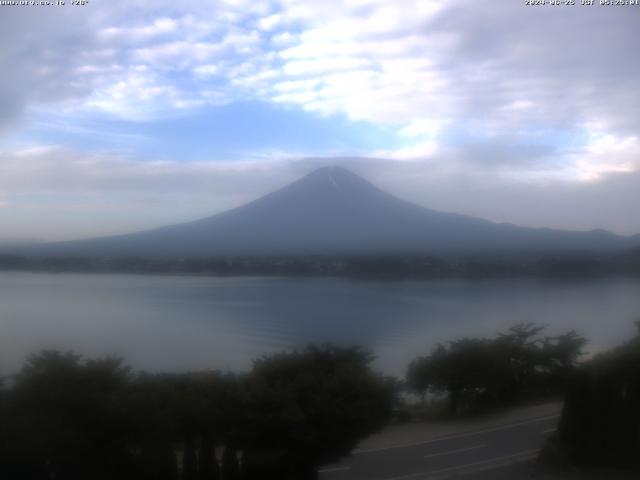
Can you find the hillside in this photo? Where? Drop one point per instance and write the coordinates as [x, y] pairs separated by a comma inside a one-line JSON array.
[[333, 211]]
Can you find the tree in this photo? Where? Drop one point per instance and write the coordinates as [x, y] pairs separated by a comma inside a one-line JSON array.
[[514, 363], [66, 418], [601, 415], [311, 407], [468, 368]]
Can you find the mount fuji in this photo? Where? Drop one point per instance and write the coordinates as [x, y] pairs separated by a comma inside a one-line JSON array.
[[334, 211]]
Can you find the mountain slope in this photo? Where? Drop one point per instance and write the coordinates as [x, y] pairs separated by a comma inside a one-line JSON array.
[[332, 210]]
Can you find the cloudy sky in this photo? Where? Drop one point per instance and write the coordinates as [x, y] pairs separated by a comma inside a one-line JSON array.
[[122, 115]]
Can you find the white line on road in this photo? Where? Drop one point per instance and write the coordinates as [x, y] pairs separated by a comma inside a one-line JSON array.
[[459, 450], [456, 436], [334, 469], [471, 467], [549, 430]]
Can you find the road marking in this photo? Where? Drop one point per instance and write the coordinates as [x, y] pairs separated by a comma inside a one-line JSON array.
[[471, 467], [459, 450], [456, 436], [550, 430], [334, 469]]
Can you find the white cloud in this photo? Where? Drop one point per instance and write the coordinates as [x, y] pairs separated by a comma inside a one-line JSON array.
[[159, 27], [323, 66], [606, 153], [601, 155], [177, 54], [431, 70], [206, 70], [283, 39], [46, 169], [423, 126], [418, 151], [140, 95], [268, 23], [420, 54]]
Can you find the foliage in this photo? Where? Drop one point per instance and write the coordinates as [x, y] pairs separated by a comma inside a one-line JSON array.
[[480, 370], [311, 407], [69, 419], [600, 421], [66, 417]]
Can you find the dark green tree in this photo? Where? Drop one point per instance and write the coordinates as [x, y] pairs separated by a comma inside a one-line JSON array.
[[479, 371], [67, 420], [466, 369], [601, 415], [308, 408]]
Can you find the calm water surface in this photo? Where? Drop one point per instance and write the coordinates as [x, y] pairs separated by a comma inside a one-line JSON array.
[[178, 323]]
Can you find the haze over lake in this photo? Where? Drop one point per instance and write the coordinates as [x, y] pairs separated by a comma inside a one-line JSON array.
[[181, 323]]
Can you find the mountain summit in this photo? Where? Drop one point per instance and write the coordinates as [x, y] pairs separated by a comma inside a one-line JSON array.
[[333, 211]]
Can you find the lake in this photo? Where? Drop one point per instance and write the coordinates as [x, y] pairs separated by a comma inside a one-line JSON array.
[[178, 323]]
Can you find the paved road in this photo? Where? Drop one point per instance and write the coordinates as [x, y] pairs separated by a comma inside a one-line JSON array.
[[485, 452]]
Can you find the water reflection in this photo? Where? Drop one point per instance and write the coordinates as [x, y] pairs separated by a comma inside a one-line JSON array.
[[178, 323]]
